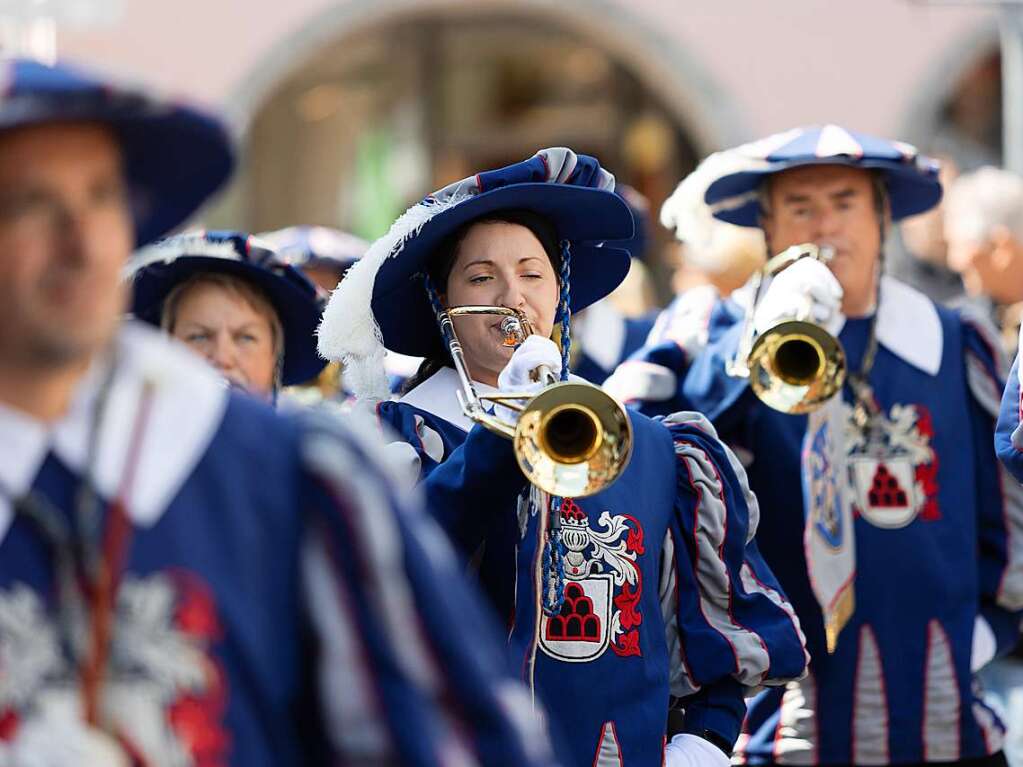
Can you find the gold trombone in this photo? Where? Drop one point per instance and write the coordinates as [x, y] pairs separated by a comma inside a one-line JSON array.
[[570, 439], [795, 365]]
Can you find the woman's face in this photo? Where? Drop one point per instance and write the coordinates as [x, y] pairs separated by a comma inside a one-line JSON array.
[[500, 264], [227, 330]]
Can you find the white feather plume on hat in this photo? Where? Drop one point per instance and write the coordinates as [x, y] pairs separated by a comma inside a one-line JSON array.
[[692, 220], [349, 332]]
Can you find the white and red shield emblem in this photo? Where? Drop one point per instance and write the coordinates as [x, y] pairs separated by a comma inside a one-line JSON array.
[[893, 468], [165, 694], [580, 632], [603, 585]]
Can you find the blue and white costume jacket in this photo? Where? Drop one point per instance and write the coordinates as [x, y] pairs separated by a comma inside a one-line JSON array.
[[938, 528], [665, 593], [277, 602]]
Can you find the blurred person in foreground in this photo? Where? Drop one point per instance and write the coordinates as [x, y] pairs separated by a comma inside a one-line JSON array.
[[187, 578], [984, 231], [885, 515]]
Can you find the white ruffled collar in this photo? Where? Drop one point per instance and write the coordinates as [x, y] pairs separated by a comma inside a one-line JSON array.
[[909, 327], [438, 395], [185, 410]]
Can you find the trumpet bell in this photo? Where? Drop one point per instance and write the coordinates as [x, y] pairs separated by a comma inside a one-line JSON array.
[[796, 366], [573, 440]]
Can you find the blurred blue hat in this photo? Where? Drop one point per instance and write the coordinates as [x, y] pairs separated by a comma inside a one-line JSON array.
[[640, 208], [156, 270], [382, 298], [910, 178], [316, 246], [175, 156]]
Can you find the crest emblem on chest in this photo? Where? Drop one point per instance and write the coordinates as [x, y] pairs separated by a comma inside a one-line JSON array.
[[603, 586], [164, 693], [893, 468]]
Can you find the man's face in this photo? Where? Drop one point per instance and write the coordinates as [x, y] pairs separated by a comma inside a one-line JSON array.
[[990, 266], [829, 205], [65, 234]]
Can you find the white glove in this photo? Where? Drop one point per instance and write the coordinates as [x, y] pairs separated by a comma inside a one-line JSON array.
[[807, 278], [50, 741], [687, 750], [984, 645], [533, 352]]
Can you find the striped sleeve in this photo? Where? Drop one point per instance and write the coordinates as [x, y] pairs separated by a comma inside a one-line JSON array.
[[734, 621], [999, 495], [409, 667]]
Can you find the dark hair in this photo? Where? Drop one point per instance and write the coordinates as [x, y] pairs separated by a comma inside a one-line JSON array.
[[443, 261]]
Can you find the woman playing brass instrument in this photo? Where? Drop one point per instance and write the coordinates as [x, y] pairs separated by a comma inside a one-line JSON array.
[[615, 601]]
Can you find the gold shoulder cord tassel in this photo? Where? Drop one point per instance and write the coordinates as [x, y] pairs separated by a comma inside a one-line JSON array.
[[839, 615]]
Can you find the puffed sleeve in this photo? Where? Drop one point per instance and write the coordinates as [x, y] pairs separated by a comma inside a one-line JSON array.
[[736, 629], [410, 669], [430, 439]]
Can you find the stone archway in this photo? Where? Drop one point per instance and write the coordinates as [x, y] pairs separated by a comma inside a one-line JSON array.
[[650, 115]]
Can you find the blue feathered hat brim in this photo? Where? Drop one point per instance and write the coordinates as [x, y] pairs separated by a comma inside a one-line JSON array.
[[584, 216], [175, 157], [297, 309]]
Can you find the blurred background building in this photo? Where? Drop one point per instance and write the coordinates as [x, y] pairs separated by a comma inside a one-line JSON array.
[[349, 110]]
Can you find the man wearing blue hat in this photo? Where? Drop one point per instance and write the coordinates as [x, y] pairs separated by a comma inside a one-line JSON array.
[[185, 577], [908, 576]]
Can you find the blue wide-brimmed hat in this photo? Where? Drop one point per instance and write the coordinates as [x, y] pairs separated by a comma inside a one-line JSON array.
[[156, 270], [175, 156], [910, 178], [382, 298], [316, 246]]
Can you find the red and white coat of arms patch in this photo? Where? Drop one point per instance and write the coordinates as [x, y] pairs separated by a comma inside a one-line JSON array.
[[165, 694], [893, 468], [603, 586]]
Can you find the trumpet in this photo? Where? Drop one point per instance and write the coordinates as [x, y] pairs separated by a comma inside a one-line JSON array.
[[795, 365], [570, 439]]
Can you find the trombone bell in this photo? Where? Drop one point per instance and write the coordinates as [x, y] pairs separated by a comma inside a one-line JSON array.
[[572, 440], [796, 366]]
